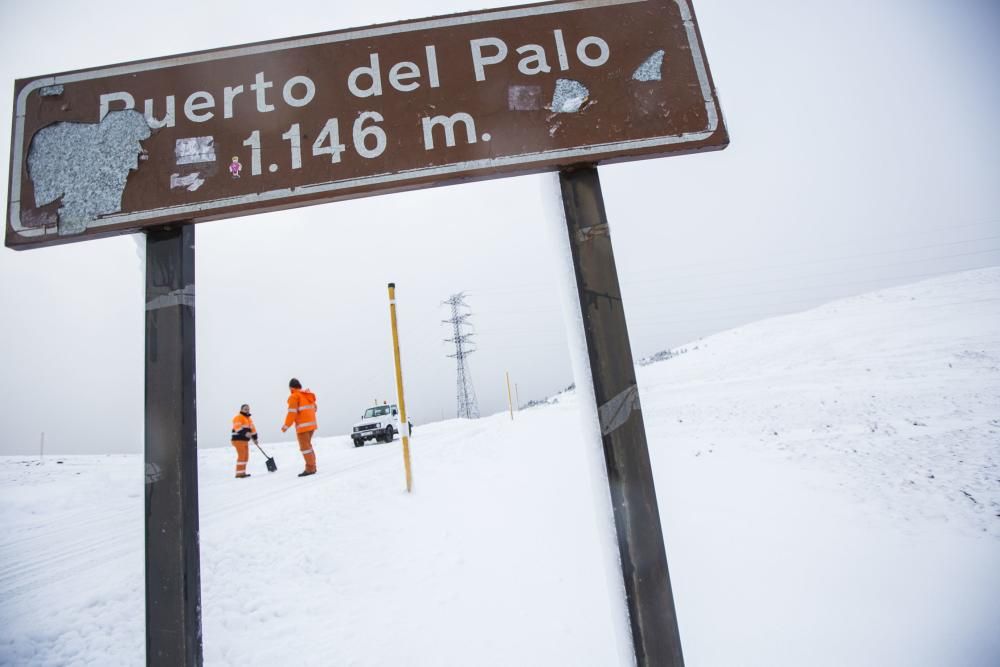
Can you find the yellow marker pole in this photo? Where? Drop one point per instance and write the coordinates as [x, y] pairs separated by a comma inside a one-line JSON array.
[[404, 424], [510, 405]]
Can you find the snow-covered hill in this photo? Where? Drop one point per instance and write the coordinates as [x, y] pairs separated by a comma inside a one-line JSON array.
[[829, 484], [895, 393]]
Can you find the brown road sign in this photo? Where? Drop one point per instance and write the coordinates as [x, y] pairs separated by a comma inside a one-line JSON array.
[[358, 112]]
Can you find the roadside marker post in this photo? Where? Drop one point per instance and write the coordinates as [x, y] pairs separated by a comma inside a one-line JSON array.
[[510, 404], [404, 424]]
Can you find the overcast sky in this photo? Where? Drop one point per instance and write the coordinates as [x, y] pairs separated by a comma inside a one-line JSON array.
[[864, 154]]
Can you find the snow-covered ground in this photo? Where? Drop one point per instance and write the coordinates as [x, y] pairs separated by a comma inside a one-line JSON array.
[[829, 484]]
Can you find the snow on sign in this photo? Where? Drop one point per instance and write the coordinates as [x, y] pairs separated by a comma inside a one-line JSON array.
[[357, 112]]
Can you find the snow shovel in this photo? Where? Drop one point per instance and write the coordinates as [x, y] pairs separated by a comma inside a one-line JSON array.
[[271, 465]]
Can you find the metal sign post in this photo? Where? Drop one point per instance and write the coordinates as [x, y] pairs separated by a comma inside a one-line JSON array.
[[653, 619], [173, 570]]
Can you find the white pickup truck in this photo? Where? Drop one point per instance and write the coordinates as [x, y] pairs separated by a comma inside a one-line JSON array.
[[379, 423]]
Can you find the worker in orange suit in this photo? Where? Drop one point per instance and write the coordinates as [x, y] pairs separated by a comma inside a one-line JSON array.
[[243, 431], [302, 413]]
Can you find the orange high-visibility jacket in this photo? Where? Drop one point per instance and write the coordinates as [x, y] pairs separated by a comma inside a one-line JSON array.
[[243, 428], [301, 410]]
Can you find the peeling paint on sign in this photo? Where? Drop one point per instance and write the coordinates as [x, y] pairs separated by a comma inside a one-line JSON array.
[[84, 166], [195, 149], [40, 217], [153, 473], [191, 181], [569, 96], [618, 410], [650, 70], [590, 233], [177, 297], [524, 98]]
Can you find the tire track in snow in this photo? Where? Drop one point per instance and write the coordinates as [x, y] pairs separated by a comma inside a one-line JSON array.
[[75, 569], [66, 560], [69, 522]]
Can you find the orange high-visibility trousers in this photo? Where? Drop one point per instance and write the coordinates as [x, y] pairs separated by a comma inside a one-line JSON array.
[[242, 456], [305, 446]]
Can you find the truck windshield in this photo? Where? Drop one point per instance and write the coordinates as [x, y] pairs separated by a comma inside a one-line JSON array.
[[377, 411]]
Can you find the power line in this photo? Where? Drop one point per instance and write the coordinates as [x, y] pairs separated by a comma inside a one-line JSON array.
[[645, 317], [715, 316], [752, 268], [841, 258], [723, 295], [799, 280], [465, 393], [907, 235], [734, 322]]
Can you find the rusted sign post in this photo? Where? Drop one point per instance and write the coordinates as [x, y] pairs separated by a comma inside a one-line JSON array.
[[554, 86]]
